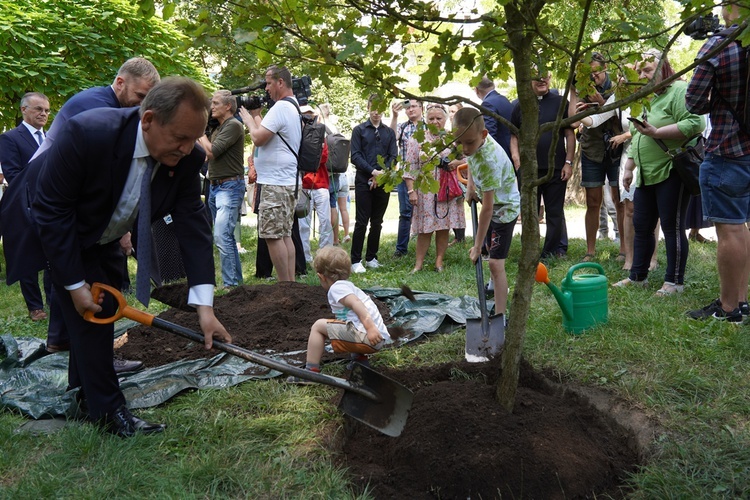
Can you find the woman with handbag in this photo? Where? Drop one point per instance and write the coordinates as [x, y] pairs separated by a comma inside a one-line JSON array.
[[434, 212], [661, 194]]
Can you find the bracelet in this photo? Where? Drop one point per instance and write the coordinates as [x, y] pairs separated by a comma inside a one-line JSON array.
[[410, 191]]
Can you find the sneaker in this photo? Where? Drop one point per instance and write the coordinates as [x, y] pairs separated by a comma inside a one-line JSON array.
[[714, 310], [629, 282], [398, 255], [346, 239], [358, 268], [744, 309], [373, 264]]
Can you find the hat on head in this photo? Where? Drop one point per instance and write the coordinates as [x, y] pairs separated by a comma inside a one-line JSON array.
[[306, 109]]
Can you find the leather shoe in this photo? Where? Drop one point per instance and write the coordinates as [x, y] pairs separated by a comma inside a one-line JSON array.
[[37, 315], [126, 365], [124, 424]]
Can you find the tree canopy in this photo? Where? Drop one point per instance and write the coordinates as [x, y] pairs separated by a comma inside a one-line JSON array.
[[60, 47]]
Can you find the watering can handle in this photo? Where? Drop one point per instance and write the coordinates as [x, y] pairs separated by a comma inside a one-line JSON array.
[[582, 265]]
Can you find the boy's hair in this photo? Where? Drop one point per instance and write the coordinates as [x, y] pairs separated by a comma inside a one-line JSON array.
[[468, 117], [333, 263]]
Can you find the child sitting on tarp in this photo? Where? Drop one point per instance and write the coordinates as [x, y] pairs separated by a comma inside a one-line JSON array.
[[492, 181], [358, 327]]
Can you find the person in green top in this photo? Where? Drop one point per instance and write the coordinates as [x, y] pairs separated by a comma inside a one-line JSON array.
[[661, 195]]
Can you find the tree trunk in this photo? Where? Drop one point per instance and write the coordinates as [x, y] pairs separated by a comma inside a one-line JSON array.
[[521, 47]]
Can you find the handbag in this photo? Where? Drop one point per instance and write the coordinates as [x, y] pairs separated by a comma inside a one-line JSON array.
[[686, 160], [450, 189], [302, 208]]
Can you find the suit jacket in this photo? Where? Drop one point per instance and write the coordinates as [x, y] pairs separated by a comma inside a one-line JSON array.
[[63, 200], [17, 146], [502, 106], [96, 97]]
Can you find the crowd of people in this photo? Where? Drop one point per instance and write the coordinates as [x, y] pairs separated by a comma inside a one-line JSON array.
[[78, 222]]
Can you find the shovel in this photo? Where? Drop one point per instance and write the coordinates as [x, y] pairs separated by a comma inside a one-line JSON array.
[[371, 398], [485, 336]]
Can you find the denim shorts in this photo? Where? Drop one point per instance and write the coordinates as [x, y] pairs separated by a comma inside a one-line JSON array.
[[594, 173], [725, 189]]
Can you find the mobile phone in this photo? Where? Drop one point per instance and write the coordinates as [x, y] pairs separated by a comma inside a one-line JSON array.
[[636, 121], [406, 103]]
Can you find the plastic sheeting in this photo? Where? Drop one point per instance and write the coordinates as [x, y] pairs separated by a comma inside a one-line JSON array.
[[36, 386]]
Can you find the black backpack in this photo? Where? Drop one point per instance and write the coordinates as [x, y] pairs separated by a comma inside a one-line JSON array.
[[311, 146], [741, 115], [338, 153]]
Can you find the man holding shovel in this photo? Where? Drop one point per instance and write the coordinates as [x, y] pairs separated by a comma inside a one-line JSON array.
[[71, 206]]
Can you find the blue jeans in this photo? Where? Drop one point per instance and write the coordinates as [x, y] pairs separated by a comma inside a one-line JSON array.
[[725, 189], [404, 219], [224, 201]]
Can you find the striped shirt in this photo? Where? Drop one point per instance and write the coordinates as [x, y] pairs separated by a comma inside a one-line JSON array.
[[720, 75]]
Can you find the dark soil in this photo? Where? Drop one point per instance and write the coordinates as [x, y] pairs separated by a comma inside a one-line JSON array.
[[458, 441]]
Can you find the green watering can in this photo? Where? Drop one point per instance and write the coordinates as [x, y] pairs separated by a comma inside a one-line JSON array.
[[583, 298]]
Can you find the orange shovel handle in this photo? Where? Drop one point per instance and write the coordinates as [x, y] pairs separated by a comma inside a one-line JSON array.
[[123, 309], [461, 173]]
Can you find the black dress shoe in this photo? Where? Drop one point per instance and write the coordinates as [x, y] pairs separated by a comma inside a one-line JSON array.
[[124, 424], [126, 365]]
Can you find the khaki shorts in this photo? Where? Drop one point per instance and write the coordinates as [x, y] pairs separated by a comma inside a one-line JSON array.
[[275, 211], [345, 337]]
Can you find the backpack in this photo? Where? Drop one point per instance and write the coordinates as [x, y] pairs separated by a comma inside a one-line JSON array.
[[311, 145], [338, 153], [741, 115]]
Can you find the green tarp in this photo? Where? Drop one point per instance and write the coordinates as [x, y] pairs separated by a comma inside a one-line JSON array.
[[36, 386]]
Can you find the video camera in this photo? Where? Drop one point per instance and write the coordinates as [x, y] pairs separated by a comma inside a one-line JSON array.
[[700, 27], [301, 87]]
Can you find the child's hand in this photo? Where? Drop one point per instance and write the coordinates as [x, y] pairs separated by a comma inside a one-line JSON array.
[[475, 253], [374, 336]]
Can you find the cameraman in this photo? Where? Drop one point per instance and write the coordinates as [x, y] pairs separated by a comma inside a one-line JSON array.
[[225, 151], [276, 165], [725, 172]]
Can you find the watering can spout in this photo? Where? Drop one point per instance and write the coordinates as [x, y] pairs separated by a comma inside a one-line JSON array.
[[564, 299]]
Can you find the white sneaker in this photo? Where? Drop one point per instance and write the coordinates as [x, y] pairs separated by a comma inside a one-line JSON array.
[[373, 264], [358, 268]]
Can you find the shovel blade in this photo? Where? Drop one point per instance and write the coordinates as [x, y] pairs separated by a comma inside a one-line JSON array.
[[482, 343], [389, 414]]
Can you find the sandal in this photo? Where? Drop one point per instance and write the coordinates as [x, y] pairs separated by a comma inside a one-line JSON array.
[[670, 289], [589, 257], [628, 282]]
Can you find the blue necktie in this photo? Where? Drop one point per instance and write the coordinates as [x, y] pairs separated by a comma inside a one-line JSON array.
[[143, 274], [39, 137]]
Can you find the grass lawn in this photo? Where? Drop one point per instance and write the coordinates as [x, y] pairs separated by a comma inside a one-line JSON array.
[[266, 439]]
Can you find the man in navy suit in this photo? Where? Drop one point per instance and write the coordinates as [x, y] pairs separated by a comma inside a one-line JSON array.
[[131, 84], [500, 105], [72, 205], [17, 146]]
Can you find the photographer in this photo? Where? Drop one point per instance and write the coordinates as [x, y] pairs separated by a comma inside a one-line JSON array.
[[225, 151], [276, 165], [716, 88]]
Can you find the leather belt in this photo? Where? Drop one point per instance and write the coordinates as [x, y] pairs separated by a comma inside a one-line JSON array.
[[218, 182]]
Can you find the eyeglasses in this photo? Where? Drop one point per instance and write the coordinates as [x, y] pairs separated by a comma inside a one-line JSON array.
[[39, 109]]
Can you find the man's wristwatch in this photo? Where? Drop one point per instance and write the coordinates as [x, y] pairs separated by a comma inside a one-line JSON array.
[[569, 162]]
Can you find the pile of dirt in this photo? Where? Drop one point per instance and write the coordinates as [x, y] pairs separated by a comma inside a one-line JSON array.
[[458, 441]]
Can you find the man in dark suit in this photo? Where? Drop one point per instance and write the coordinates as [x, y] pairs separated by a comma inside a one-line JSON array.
[[131, 84], [17, 146], [72, 205], [500, 105]]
